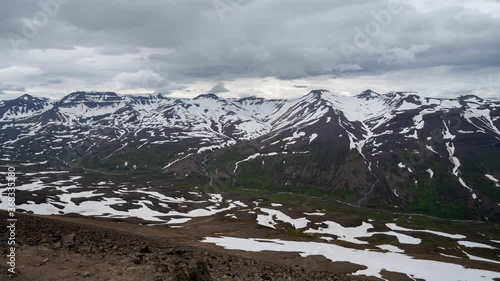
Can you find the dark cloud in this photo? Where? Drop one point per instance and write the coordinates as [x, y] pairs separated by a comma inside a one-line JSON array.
[[6, 87], [167, 45], [55, 81]]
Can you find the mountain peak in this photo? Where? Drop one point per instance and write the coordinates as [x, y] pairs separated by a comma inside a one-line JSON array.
[[29, 98], [368, 95], [249, 98], [207, 96], [81, 96], [398, 93], [149, 96], [84, 94], [318, 92], [26, 97]]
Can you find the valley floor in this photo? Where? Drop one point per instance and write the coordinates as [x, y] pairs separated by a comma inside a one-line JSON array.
[[105, 227]]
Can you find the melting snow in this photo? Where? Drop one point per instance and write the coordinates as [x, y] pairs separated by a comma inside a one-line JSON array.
[[351, 234], [431, 173], [313, 137], [272, 215], [348, 234], [492, 178], [475, 258], [314, 214], [391, 248], [475, 245], [241, 204], [374, 261], [178, 221], [393, 226]]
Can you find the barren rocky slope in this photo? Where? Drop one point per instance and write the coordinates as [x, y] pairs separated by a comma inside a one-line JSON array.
[[61, 250]]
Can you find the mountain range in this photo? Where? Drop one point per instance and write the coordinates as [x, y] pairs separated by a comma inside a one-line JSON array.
[[398, 151]]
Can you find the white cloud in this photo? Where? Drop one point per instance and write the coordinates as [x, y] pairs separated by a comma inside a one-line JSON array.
[[219, 88], [403, 55], [142, 79], [187, 48], [19, 73]]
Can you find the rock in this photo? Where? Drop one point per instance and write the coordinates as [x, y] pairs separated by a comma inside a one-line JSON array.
[[162, 268], [138, 259], [86, 274], [198, 271], [67, 240], [178, 274], [57, 244], [265, 276], [144, 250], [176, 252], [84, 249], [54, 238]]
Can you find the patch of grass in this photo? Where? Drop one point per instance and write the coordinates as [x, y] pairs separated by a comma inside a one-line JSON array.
[[474, 170], [439, 196], [347, 195]]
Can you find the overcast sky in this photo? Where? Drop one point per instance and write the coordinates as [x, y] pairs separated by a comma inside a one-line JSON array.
[[269, 48]]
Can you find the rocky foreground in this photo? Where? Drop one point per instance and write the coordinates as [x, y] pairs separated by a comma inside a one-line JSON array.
[[57, 250]]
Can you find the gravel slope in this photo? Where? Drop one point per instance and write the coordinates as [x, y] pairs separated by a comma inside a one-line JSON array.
[[57, 250]]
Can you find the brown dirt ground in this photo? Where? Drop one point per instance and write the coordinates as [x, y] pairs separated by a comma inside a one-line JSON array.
[[109, 250]]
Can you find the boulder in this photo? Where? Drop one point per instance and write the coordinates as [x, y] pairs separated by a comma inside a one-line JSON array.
[[198, 271]]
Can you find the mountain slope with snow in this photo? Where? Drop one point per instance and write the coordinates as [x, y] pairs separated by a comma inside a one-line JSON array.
[[396, 150]]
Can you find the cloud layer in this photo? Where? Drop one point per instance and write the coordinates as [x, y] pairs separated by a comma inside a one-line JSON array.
[[249, 47]]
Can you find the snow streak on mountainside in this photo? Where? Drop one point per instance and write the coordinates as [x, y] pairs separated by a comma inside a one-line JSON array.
[[395, 149]]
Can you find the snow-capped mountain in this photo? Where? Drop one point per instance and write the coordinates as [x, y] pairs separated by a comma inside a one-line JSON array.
[[22, 107], [397, 150]]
